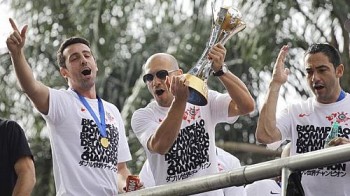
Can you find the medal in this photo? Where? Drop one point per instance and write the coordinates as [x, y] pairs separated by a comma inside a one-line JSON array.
[[104, 142], [101, 124]]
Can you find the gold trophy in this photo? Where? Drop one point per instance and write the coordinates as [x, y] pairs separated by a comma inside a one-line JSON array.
[[227, 24]]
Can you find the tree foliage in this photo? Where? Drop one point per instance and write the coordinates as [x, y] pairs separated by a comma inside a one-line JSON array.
[[123, 34]]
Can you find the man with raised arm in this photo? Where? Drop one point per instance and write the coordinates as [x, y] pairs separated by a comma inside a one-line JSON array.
[[308, 123], [87, 134], [179, 137]]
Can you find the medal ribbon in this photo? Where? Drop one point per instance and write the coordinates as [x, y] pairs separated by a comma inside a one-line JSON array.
[[101, 125]]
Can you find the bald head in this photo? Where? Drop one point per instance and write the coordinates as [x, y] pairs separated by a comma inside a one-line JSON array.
[[161, 60]]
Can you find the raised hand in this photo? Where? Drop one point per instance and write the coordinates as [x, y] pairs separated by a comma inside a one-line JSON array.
[[280, 73], [16, 40], [179, 88], [217, 54]]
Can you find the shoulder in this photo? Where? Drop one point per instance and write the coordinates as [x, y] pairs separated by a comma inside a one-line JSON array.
[[66, 91], [299, 106], [218, 100], [10, 125], [213, 94], [145, 111], [62, 93], [110, 106]]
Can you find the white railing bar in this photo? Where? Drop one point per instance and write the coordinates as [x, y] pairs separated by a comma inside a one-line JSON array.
[[284, 180], [250, 173]]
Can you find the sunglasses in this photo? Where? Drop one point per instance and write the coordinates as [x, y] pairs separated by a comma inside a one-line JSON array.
[[161, 74]]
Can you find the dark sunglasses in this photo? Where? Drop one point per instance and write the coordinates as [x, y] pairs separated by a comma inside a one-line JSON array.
[[161, 74]]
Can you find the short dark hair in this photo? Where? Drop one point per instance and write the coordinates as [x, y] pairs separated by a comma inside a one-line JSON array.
[[72, 40], [331, 52]]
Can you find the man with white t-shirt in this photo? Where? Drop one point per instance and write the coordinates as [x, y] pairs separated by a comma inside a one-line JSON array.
[[308, 123], [179, 137], [87, 136], [226, 162], [272, 186]]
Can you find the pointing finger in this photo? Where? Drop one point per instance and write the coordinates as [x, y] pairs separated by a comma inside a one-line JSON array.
[[13, 24]]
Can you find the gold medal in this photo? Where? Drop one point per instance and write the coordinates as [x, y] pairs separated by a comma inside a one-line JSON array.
[[104, 142]]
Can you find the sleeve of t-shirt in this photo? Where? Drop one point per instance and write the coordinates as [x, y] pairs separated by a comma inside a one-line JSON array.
[[219, 104], [58, 98], [18, 141], [143, 125]]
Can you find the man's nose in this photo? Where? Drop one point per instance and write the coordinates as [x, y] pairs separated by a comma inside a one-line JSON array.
[[156, 80], [83, 61], [315, 77]]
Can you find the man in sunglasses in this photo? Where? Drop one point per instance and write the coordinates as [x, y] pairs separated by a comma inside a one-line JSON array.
[[178, 137]]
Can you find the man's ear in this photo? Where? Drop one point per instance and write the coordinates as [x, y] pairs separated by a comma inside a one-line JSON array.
[[339, 71], [64, 72]]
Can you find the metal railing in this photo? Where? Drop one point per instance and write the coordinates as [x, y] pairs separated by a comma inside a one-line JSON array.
[[250, 173]]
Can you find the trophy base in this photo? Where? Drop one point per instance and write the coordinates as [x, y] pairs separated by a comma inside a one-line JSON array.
[[198, 90]]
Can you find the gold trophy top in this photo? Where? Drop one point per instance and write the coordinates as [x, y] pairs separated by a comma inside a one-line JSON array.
[[232, 23], [232, 19]]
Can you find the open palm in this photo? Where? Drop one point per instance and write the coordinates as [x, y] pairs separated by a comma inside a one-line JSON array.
[[280, 73]]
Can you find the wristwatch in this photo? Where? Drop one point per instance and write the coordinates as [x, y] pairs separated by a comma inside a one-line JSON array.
[[222, 71]]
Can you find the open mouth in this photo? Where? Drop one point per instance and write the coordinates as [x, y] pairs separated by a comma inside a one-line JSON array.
[[86, 72], [318, 86], [159, 92]]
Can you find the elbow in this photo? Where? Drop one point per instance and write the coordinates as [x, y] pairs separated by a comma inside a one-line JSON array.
[[162, 152], [260, 138], [157, 147], [159, 151], [248, 107], [261, 135], [264, 137]]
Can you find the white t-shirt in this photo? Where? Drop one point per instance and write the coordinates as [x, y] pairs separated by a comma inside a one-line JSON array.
[[193, 152], [266, 187], [226, 162], [146, 176], [307, 124], [81, 165]]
